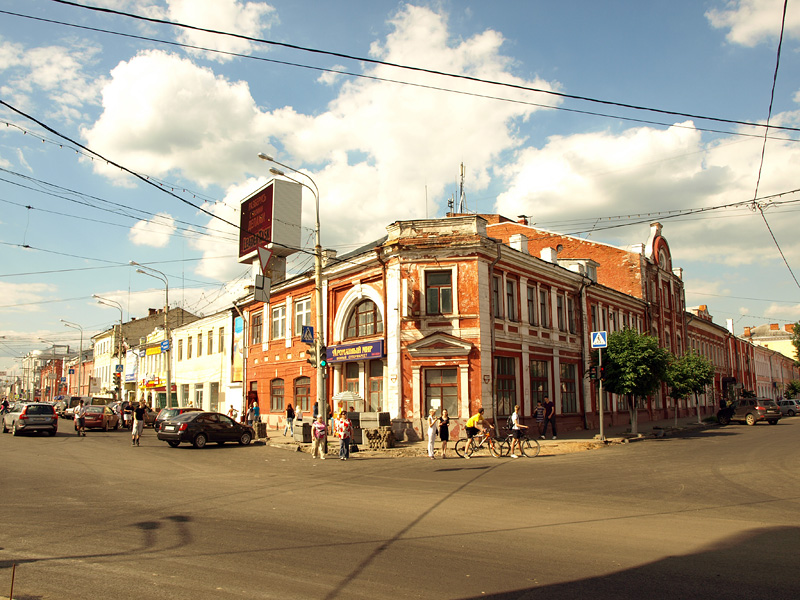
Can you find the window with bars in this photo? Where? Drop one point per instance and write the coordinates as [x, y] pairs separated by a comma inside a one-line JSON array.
[[365, 320], [569, 394], [441, 390], [439, 292], [506, 385]]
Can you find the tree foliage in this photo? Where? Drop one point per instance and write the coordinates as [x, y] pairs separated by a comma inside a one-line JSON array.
[[793, 389], [796, 342], [634, 363], [689, 374]]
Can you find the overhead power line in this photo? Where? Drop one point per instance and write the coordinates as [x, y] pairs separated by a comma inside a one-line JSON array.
[[470, 78]]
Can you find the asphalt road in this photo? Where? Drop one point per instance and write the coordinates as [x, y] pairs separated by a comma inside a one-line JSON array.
[[715, 514]]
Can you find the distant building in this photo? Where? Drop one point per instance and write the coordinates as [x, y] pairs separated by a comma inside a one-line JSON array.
[[774, 337]]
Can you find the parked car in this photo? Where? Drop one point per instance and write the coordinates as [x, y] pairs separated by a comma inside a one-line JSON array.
[[170, 413], [31, 416], [753, 410], [789, 407], [101, 417], [199, 428]]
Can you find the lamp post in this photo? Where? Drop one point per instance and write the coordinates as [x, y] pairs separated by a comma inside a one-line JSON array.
[[318, 339], [118, 306], [80, 354], [165, 280]]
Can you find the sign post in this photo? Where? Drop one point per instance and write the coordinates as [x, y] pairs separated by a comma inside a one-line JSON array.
[[599, 341]]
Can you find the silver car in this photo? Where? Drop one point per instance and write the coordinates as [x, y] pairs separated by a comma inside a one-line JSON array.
[[789, 407], [30, 416]]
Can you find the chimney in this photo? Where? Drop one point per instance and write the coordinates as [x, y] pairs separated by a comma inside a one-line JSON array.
[[152, 311], [729, 323], [522, 219], [789, 327], [774, 327], [519, 242], [549, 254], [747, 332]]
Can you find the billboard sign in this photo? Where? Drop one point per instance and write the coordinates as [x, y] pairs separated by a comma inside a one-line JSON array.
[[270, 218], [360, 351], [255, 221]]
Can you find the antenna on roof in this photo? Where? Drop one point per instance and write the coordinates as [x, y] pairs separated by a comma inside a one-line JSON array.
[[462, 200]]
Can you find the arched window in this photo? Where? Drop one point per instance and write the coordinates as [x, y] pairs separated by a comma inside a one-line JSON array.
[[365, 320]]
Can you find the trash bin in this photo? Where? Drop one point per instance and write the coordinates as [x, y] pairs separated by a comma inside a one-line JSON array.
[[302, 432], [261, 430]]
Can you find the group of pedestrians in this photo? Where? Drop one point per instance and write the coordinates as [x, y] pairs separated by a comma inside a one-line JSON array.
[[342, 427], [438, 427]]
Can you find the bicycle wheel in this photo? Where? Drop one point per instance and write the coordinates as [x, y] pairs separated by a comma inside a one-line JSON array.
[[498, 448], [459, 447], [530, 448]]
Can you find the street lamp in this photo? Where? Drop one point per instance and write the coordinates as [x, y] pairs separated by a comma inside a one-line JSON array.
[[318, 339], [118, 306], [165, 280], [80, 354]]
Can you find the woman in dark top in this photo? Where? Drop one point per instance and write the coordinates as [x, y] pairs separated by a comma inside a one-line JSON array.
[[444, 431], [289, 421]]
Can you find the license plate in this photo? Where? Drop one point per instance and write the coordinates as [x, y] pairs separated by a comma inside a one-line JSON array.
[[38, 419], [169, 427]]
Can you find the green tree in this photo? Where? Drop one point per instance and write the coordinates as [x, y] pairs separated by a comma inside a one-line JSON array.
[[633, 366], [796, 342], [689, 374], [793, 389]]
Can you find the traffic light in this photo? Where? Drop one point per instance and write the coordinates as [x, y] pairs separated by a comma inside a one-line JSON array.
[[311, 356], [602, 373], [323, 357], [117, 382]]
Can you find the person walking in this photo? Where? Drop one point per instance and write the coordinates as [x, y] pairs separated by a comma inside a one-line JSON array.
[[344, 429], [516, 432], [549, 417], [289, 421], [232, 413], [538, 414], [249, 416], [433, 424], [444, 431], [138, 423], [318, 434], [127, 413], [80, 419]]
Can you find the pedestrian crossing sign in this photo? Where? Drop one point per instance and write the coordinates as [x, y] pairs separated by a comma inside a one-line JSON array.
[[599, 339]]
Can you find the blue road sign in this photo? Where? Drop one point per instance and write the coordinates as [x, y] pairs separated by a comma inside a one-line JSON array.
[[118, 368], [307, 336], [599, 339], [165, 346]]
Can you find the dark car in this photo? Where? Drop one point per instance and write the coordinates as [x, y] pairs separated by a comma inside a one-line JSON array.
[[101, 417], [170, 413], [753, 410], [32, 416], [200, 427]]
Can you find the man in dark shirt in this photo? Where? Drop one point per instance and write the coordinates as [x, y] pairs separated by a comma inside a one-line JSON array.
[[138, 422], [549, 417]]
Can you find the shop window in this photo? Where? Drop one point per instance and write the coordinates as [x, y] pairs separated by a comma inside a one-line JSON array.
[[569, 395], [198, 395], [302, 315], [539, 381], [506, 385], [441, 391], [278, 322], [256, 325], [532, 306], [365, 320], [185, 394], [511, 300], [375, 396], [439, 292], [214, 396], [302, 393], [351, 377], [276, 395]]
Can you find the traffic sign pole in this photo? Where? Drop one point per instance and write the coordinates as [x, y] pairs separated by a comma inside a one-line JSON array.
[[600, 398]]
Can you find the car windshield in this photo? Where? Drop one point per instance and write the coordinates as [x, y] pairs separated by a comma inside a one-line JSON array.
[[39, 409], [94, 409], [187, 416], [167, 413]]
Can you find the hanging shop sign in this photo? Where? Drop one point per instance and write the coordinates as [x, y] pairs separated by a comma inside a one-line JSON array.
[[359, 351]]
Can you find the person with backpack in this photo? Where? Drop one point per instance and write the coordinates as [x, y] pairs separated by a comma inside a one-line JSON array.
[[516, 432]]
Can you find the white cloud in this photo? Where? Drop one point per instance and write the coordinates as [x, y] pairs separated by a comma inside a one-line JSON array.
[[783, 312], [751, 22], [23, 297], [153, 232]]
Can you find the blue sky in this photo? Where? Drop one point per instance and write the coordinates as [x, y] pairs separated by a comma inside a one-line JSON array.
[[382, 151]]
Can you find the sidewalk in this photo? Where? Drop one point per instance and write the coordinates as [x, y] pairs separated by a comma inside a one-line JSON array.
[[567, 442]]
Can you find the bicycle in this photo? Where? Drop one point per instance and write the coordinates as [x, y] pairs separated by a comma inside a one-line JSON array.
[[529, 447], [482, 441]]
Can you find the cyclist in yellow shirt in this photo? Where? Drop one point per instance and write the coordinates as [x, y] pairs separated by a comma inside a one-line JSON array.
[[474, 424]]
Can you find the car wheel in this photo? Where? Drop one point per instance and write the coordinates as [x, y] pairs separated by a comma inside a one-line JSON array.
[[750, 419], [245, 438], [200, 441], [14, 430], [173, 443], [105, 425], [5, 429], [791, 413]]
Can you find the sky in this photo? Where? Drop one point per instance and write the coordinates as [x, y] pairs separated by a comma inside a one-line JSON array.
[[124, 139]]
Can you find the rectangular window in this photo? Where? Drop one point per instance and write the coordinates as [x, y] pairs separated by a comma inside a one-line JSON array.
[[594, 323], [544, 307], [199, 344], [539, 381], [256, 324], [210, 341], [221, 342], [214, 396], [506, 385], [375, 399], [439, 292], [302, 393], [441, 391], [351, 377], [511, 300], [278, 322], [569, 396], [276, 395], [302, 315], [180, 349], [189, 347], [571, 315], [532, 305], [496, 298], [560, 313]]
